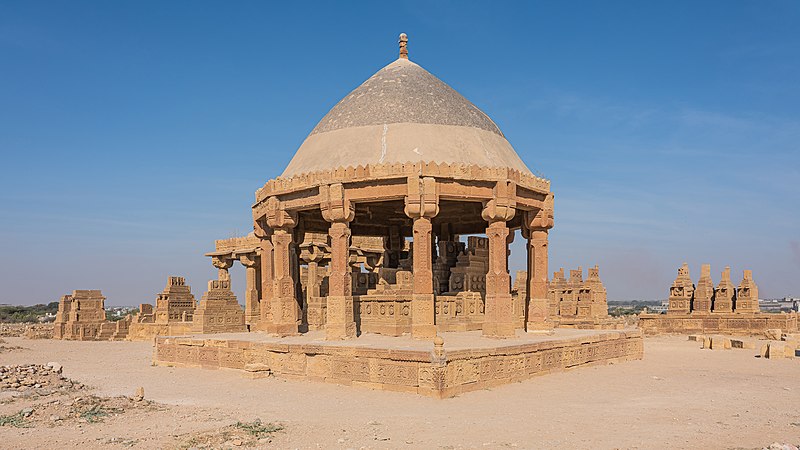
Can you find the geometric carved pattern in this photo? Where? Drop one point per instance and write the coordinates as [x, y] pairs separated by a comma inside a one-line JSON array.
[[436, 373]]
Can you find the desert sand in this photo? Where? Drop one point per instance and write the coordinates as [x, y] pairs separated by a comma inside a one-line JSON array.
[[678, 396]]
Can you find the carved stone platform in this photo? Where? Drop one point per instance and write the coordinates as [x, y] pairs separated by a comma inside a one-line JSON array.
[[466, 362], [738, 324]]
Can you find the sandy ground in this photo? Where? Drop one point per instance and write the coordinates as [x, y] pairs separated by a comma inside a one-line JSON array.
[[679, 396]]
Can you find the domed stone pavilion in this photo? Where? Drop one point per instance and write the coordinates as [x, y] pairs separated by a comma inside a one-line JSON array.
[[404, 156], [379, 257]]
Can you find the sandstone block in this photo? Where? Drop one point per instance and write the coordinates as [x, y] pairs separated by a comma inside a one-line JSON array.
[[720, 343], [743, 343], [777, 350], [773, 334]]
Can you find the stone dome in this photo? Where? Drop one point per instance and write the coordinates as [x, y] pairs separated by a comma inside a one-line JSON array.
[[404, 114]]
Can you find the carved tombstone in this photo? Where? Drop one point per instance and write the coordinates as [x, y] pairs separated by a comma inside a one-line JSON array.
[[175, 303], [469, 274], [724, 293], [681, 292], [569, 298], [704, 291], [447, 259], [218, 311], [80, 316], [555, 292], [598, 299], [747, 295]]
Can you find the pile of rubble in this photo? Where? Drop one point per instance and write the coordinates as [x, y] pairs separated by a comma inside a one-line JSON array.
[[43, 379], [28, 330], [39, 331], [40, 395], [778, 346]]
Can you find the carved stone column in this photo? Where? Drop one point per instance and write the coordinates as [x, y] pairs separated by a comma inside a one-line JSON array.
[[337, 209], [284, 308], [537, 224], [222, 263], [312, 255], [267, 274], [499, 315], [252, 311], [422, 204]]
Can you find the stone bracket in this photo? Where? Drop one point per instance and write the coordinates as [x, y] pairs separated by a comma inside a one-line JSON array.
[[334, 204], [277, 216], [423, 198], [541, 219], [503, 205]]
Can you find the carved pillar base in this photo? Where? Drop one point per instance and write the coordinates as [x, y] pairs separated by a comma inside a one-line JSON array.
[[280, 329], [538, 316], [422, 316], [284, 310], [538, 303], [340, 323], [422, 312], [499, 317]]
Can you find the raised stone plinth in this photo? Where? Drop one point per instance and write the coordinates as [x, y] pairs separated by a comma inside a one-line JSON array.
[[466, 362], [737, 324]]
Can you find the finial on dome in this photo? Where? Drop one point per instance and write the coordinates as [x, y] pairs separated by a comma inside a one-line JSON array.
[[403, 46]]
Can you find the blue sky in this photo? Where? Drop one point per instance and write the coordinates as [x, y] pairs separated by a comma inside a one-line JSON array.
[[133, 134]]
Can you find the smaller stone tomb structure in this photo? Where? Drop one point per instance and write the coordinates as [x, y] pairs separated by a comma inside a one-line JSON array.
[[172, 315], [218, 311], [82, 316], [575, 303], [724, 309]]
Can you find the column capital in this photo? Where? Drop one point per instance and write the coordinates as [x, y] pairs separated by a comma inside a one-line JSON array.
[[277, 216], [502, 206], [422, 200], [248, 259], [260, 229], [312, 253], [541, 219], [334, 204], [222, 261]]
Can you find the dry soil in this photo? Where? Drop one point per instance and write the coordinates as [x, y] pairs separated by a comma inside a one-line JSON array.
[[679, 396]]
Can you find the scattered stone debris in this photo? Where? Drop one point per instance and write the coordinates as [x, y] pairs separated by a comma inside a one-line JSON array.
[[8, 348], [716, 342], [28, 330], [779, 446], [139, 395], [778, 349], [36, 379], [241, 434], [62, 405]]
